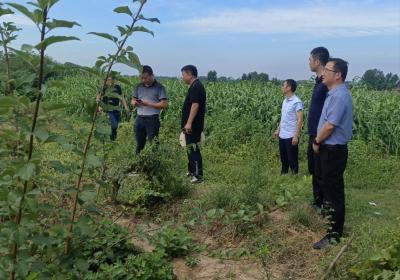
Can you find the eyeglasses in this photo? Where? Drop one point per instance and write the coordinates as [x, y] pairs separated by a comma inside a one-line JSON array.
[[327, 69]]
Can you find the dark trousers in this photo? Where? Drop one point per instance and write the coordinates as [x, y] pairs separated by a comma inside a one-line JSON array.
[[115, 118], [313, 160], [289, 155], [333, 161], [195, 165], [146, 127]]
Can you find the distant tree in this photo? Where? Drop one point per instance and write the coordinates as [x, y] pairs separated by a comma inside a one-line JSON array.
[[276, 81], [391, 81], [252, 76], [374, 79], [263, 77], [222, 79], [212, 76], [256, 77]]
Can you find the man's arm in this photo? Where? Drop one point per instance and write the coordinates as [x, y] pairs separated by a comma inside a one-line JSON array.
[[326, 131], [125, 104], [193, 112], [163, 104], [276, 133], [98, 101], [299, 125]]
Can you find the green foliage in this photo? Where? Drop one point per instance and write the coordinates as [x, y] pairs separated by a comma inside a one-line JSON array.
[[233, 226], [152, 177], [174, 241], [32, 229], [146, 266], [102, 251], [384, 265], [105, 243]]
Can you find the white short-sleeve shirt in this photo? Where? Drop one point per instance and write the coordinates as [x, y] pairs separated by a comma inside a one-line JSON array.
[[288, 124]]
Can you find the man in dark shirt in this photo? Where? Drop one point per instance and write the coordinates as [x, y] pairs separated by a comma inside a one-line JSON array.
[[192, 123], [317, 61], [110, 104]]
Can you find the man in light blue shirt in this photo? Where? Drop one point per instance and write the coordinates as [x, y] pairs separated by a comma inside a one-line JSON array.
[[330, 147], [289, 128], [338, 111]]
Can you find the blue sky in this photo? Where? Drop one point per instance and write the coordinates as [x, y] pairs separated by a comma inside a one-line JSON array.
[[236, 36]]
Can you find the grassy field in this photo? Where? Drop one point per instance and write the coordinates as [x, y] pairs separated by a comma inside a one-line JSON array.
[[242, 172]]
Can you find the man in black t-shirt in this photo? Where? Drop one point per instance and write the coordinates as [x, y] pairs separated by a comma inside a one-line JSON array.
[[110, 104], [192, 123]]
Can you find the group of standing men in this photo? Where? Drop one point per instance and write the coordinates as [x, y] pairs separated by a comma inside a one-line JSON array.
[[329, 128], [150, 98], [330, 120]]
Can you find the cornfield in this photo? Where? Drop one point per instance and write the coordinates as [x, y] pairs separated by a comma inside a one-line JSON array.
[[376, 113]]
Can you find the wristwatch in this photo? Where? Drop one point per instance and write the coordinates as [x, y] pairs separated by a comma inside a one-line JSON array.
[[315, 142]]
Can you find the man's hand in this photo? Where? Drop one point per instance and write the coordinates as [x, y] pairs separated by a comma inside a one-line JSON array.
[[276, 134], [188, 128], [315, 148], [135, 102], [100, 110], [146, 103], [295, 140]]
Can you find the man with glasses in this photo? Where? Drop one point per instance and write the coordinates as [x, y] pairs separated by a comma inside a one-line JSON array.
[[333, 134]]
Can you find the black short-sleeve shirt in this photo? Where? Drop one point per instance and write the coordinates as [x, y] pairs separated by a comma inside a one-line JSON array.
[[196, 94]]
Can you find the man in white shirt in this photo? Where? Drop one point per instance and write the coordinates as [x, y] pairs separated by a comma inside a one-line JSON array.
[[289, 128]]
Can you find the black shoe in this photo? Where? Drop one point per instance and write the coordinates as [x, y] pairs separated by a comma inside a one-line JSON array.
[[324, 242]]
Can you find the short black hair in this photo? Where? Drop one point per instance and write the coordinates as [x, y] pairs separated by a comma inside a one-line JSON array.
[[340, 66], [322, 54], [292, 83], [147, 69], [191, 69]]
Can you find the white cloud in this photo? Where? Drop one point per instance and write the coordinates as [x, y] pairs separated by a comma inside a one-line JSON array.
[[316, 21], [17, 19]]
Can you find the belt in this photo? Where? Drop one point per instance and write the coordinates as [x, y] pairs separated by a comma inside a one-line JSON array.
[[325, 146], [148, 117]]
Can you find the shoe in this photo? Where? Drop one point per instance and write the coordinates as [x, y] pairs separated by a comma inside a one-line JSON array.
[[324, 242], [196, 180]]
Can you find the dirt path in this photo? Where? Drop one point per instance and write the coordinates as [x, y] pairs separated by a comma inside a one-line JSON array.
[[291, 257]]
